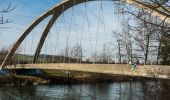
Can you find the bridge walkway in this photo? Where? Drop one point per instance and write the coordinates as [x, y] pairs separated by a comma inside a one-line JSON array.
[[155, 71]]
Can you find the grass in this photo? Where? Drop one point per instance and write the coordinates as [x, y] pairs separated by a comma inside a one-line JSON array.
[[61, 77]]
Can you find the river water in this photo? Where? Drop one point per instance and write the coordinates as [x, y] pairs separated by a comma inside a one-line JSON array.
[[132, 90]]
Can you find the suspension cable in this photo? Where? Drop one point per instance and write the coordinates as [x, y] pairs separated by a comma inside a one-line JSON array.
[[104, 25], [22, 55], [63, 17], [51, 46], [32, 41], [89, 32], [98, 25], [57, 42], [72, 21], [82, 31], [45, 51]]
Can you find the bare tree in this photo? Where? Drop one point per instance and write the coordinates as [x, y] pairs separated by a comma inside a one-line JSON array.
[[164, 49], [77, 53], [147, 28], [161, 6], [4, 10], [95, 57], [124, 42], [105, 56], [147, 35]]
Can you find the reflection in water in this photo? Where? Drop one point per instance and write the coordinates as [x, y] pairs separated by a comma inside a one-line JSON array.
[[152, 90], [20, 93]]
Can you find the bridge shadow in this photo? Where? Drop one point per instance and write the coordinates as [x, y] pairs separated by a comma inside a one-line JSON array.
[[70, 77]]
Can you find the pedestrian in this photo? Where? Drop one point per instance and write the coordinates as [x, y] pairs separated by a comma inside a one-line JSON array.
[[137, 63], [130, 63]]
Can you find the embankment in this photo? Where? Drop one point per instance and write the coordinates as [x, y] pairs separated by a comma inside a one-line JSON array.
[[61, 77]]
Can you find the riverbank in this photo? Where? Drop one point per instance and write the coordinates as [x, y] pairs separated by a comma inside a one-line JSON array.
[[63, 77]]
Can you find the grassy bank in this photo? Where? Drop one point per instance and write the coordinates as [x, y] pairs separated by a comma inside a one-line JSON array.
[[62, 77]]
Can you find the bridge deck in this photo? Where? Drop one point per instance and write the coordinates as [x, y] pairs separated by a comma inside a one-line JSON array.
[[155, 71]]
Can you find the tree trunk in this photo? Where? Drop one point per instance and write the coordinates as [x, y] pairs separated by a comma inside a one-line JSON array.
[[147, 49], [159, 50], [119, 51]]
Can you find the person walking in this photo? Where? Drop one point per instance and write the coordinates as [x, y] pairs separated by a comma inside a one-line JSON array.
[[131, 64], [137, 62]]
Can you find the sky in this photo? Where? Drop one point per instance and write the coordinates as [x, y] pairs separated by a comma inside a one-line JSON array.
[[22, 17], [90, 26]]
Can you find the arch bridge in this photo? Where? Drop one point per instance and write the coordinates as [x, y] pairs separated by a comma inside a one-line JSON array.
[[55, 12]]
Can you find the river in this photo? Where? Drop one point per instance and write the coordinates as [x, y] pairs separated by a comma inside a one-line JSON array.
[[131, 90]]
